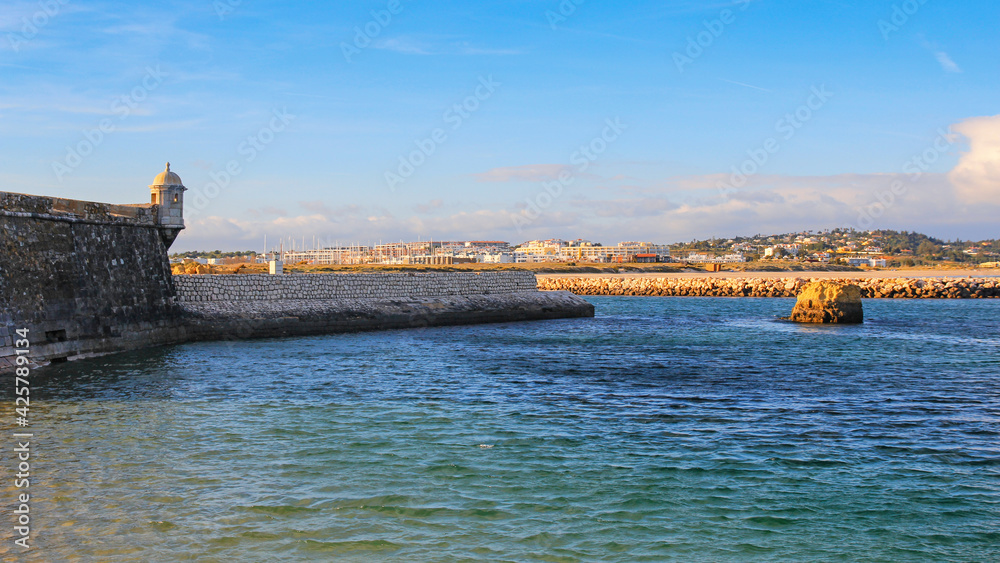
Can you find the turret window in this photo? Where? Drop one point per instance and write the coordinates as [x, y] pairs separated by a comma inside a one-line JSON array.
[[176, 198]]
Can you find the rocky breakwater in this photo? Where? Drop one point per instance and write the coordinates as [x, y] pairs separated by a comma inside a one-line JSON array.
[[870, 288], [828, 302]]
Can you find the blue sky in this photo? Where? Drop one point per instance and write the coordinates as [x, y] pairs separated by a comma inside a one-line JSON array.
[[355, 136]]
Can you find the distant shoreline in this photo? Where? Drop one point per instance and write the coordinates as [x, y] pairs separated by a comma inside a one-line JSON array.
[[589, 270], [789, 274], [737, 284]]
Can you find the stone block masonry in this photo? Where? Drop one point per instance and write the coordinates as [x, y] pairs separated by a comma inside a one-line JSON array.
[[85, 278], [264, 287], [254, 306]]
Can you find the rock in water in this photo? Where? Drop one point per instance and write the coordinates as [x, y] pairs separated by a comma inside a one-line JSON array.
[[828, 302]]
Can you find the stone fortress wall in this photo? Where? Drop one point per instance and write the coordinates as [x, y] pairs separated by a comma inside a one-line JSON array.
[[263, 287], [85, 278]]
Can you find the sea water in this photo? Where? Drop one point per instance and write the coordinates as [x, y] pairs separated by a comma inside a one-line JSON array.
[[663, 429]]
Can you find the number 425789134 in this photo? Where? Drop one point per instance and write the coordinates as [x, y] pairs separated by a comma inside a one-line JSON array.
[[23, 341]]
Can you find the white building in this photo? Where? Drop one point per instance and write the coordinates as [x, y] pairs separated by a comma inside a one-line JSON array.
[[870, 262], [587, 251], [710, 259], [498, 258]]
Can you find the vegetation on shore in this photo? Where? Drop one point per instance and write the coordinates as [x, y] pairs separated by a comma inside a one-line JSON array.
[[904, 249]]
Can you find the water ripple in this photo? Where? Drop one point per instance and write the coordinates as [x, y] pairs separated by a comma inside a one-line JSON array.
[[663, 429]]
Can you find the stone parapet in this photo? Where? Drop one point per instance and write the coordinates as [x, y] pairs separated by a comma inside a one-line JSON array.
[[69, 210]]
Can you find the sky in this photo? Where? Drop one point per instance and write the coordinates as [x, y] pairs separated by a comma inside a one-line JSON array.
[[361, 122]]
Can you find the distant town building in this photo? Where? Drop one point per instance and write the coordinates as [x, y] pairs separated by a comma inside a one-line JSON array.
[[870, 262], [711, 259]]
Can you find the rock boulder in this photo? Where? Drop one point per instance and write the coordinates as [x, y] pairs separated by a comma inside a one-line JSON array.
[[828, 302]]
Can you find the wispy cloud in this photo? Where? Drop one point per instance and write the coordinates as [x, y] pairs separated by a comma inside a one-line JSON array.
[[160, 30], [404, 45], [940, 55], [528, 173], [467, 49], [186, 124], [409, 45], [745, 84], [946, 63]]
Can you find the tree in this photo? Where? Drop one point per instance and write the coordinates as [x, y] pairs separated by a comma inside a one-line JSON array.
[[928, 248]]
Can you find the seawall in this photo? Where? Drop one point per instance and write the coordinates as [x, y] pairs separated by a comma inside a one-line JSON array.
[[254, 306], [877, 288]]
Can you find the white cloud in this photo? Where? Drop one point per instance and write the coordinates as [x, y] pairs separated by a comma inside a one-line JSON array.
[[961, 203], [946, 63], [942, 57], [976, 177]]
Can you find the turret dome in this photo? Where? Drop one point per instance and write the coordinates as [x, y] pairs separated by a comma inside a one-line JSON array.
[[167, 178]]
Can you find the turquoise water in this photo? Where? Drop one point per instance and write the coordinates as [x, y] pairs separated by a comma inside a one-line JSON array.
[[664, 429]]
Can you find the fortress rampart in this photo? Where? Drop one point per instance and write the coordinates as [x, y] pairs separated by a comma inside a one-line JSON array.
[[82, 212], [88, 278]]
